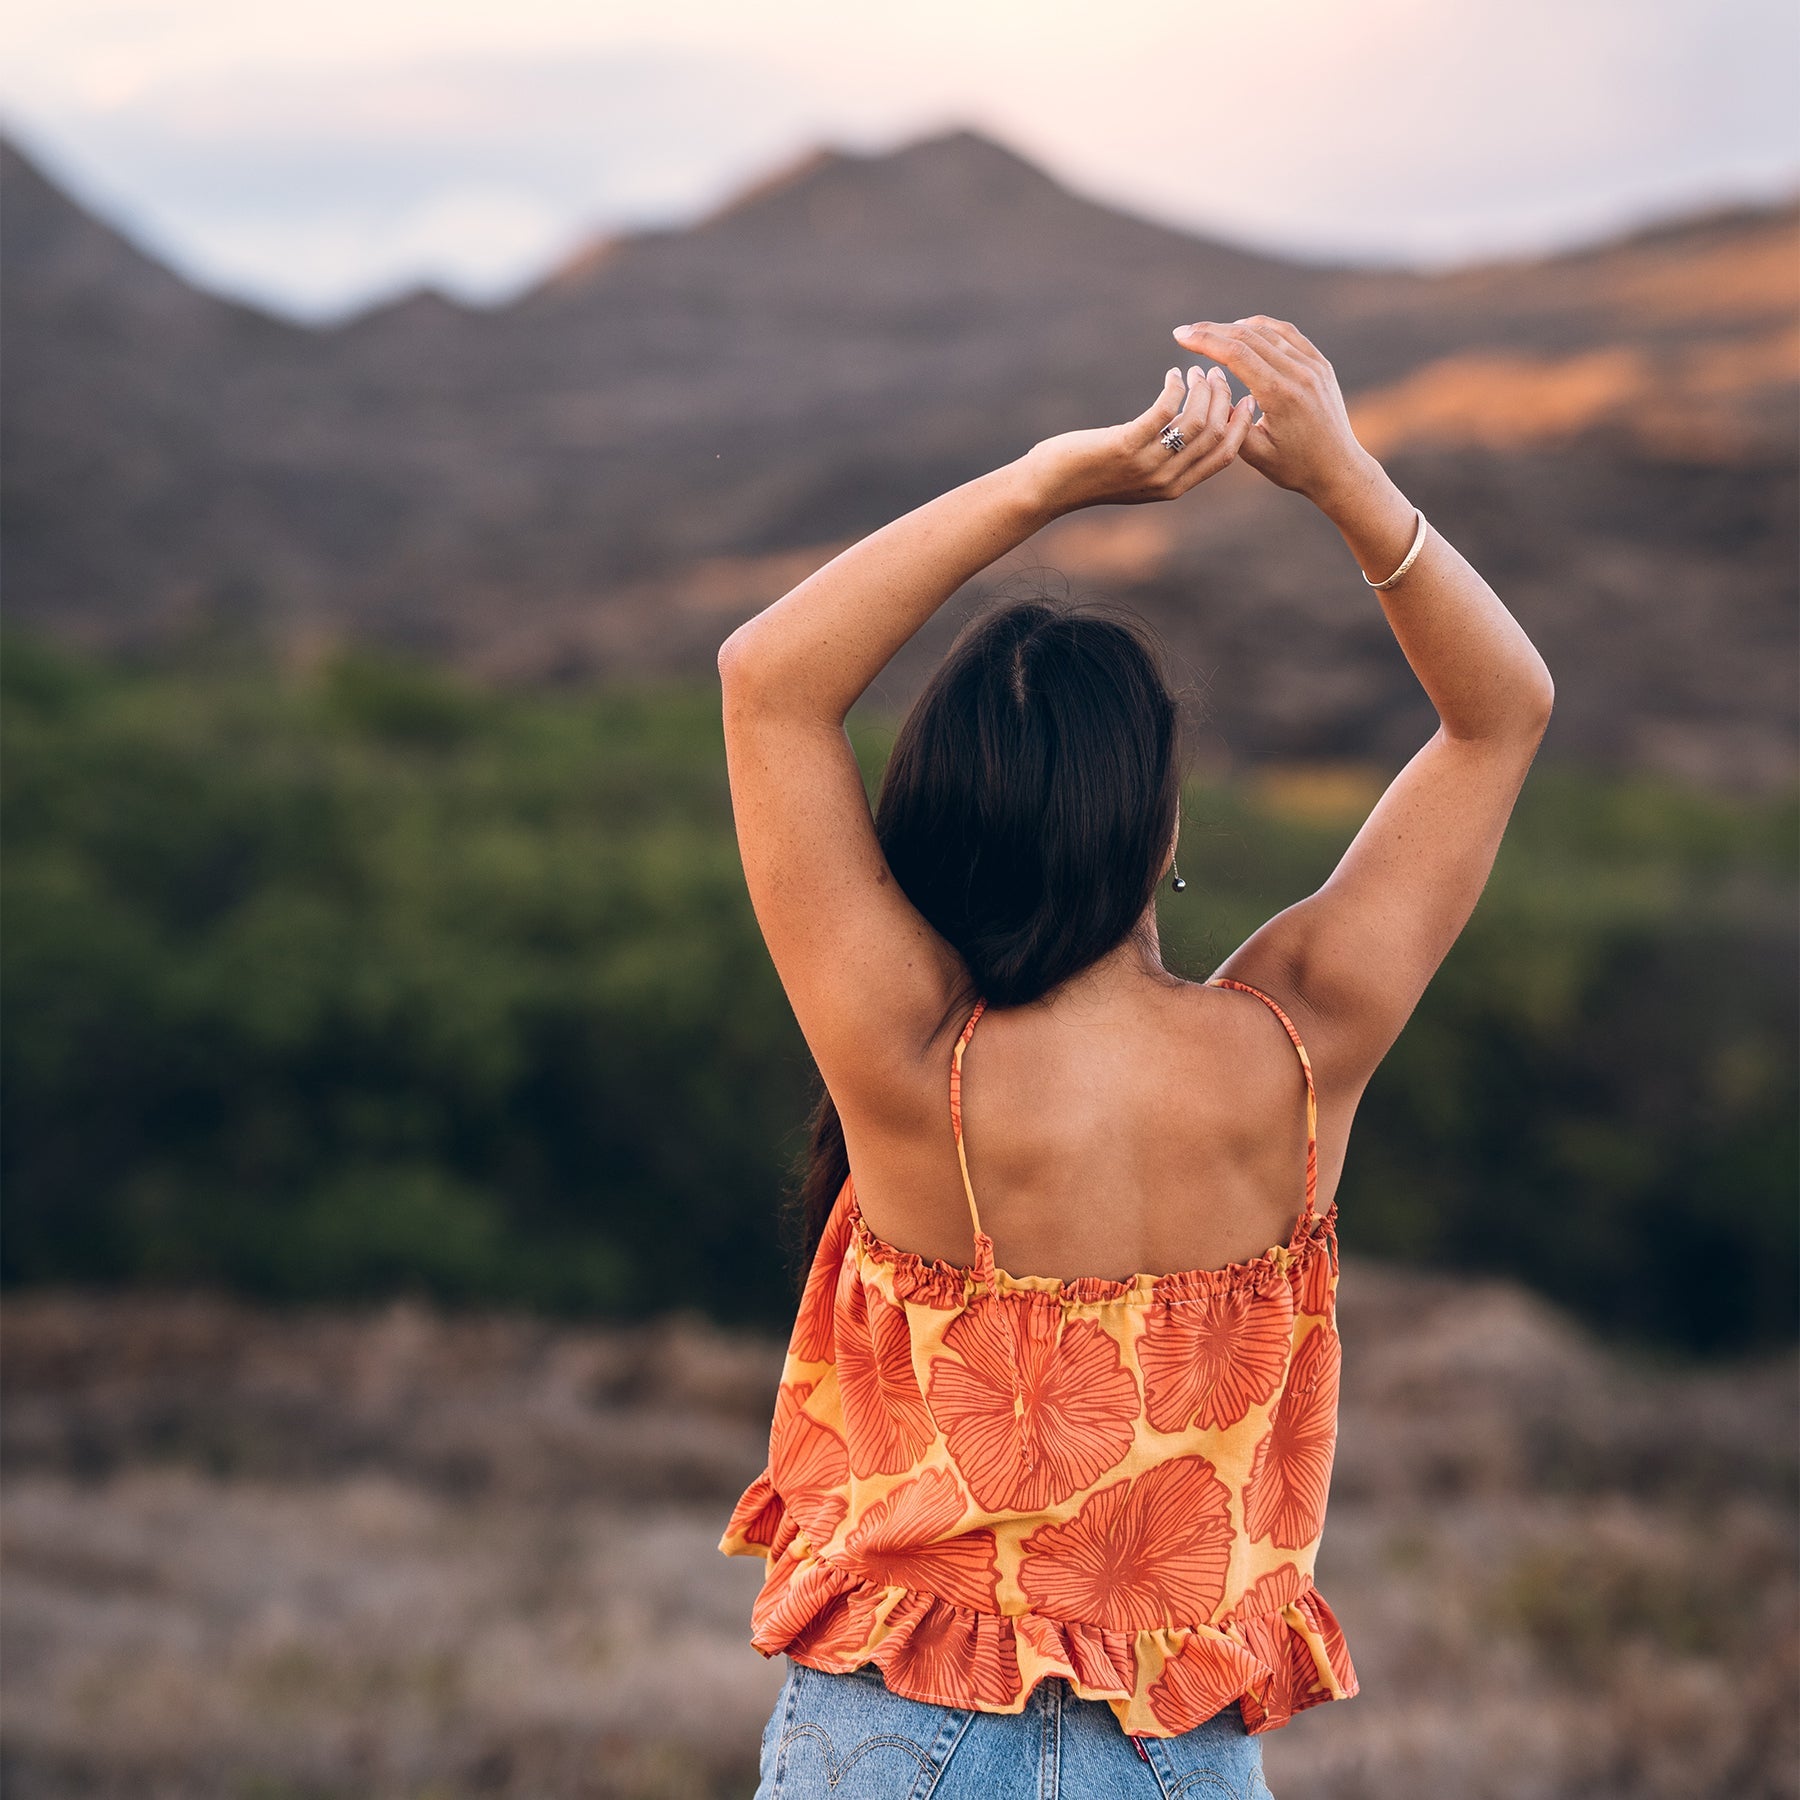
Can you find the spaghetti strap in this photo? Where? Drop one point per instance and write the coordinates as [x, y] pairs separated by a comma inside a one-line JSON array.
[[1312, 1102], [984, 1245]]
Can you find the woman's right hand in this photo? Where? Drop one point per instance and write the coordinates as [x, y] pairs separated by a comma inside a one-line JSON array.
[[1303, 439]]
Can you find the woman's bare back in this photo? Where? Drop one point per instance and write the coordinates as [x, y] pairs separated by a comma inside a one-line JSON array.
[[1145, 1132]]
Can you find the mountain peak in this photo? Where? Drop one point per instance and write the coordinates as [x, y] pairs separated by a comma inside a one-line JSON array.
[[957, 168], [964, 148], [906, 201]]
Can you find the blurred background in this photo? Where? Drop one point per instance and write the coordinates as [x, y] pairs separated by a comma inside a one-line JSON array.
[[400, 405]]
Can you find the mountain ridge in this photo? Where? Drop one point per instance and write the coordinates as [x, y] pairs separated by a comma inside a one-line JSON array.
[[605, 472]]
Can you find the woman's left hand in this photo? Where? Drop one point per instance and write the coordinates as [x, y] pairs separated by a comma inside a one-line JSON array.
[[1127, 465]]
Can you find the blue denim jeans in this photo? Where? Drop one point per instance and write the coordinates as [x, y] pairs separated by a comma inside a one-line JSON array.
[[846, 1737]]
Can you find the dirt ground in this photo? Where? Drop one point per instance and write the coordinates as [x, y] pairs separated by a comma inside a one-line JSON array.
[[392, 1553]]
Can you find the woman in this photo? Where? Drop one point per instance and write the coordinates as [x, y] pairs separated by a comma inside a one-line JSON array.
[[1030, 1533]]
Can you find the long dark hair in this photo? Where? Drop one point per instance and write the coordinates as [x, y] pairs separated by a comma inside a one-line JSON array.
[[1025, 809]]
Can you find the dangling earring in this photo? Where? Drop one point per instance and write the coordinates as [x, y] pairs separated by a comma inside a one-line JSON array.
[[1177, 884]]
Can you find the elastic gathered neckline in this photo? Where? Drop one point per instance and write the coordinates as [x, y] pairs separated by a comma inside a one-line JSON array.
[[948, 1284]]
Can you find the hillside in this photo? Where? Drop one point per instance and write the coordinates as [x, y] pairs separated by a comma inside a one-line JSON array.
[[606, 474]]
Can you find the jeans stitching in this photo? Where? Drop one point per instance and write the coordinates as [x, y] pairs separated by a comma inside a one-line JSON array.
[[1180, 1787], [1203, 1780], [1195, 1780], [898, 1739], [950, 1734], [931, 1766], [876, 1740]]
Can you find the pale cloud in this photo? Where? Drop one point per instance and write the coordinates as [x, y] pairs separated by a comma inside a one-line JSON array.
[[312, 159]]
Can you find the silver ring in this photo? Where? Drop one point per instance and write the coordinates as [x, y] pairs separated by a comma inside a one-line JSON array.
[[1172, 440]]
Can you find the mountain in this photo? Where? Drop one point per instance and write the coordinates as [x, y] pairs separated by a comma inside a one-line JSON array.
[[119, 493], [666, 432]]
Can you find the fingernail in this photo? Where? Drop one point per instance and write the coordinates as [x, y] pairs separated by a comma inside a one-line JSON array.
[[1171, 375]]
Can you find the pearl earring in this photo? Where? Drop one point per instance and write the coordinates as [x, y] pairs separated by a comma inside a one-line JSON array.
[[1177, 884]]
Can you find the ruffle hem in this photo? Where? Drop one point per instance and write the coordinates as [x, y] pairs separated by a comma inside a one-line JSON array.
[[1159, 1681]]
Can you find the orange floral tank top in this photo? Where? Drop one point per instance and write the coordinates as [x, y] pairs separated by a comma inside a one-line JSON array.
[[977, 1480]]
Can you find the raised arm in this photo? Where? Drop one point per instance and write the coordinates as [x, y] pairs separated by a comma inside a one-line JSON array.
[[867, 977], [1357, 955]]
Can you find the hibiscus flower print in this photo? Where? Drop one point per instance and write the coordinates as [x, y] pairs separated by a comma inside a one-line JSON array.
[[1317, 1280], [1270, 1593], [841, 1632], [795, 1594], [1149, 1550], [886, 1423], [757, 1515], [1290, 1475], [814, 1330], [1104, 1662], [807, 1464], [1204, 1675], [1286, 1651], [900, 1542], [1208, 1361], [949, 1655], [1034, 1406]]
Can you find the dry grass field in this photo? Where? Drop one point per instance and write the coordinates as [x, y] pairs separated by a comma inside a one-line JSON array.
[[393, 1553]]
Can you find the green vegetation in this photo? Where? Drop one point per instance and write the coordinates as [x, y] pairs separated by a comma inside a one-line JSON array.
[[368, 979]]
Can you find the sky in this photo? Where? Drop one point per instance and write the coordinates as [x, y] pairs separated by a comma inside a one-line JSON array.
[[317, 160]]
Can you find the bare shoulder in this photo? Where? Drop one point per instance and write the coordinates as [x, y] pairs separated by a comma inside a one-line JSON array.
[[1335, 1052], [1204, 1027]]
